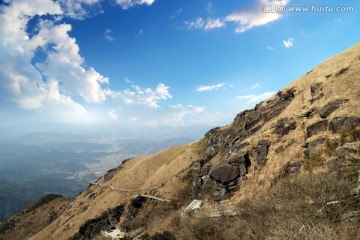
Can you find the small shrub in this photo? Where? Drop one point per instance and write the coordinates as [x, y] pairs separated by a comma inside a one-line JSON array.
[[330, 147], [7, 226], [315, 160], [42, 201]]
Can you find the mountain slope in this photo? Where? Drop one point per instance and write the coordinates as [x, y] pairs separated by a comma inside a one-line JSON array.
[[312, 125]]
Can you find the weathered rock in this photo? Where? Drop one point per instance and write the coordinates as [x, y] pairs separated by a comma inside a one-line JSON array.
[[252, 119], [331, 107], [283, 126], [342, 123], [309, 113], [243, 170], [224, 173], [311, 147], [196, 166], [240, 159], [295, 166], [277, 105], [212, 132], [262, 151], [204, 170], [315, 128], [241, 117], [210, 152], [315, 88], [222, 195]]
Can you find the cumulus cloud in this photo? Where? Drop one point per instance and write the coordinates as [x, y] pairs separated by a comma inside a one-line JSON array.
[[126, 4], [80, 9], [144, 96], [288, 43], [57, 79], [210, 87], [256, 98], [108, 35]]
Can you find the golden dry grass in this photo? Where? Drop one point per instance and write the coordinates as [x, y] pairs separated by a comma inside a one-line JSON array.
[[161, 172]]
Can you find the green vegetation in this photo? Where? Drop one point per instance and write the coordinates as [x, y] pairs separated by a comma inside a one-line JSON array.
[[42, 201], [7, 226], [315, 160], [350, 134]]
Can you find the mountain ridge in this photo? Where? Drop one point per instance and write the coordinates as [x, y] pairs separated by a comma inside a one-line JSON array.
[[312, 125]]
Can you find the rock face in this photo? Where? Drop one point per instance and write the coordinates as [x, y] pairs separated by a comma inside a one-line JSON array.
[[224, 173], [283, 126], [331, 107], [311, 146], [341, 123], [314, 88], [315, 128], [262, 151]]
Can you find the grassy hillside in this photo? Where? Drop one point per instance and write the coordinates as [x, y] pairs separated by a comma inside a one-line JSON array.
[[287, 168]]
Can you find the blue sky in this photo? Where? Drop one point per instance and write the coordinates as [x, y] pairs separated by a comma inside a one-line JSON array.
[[157, 62]]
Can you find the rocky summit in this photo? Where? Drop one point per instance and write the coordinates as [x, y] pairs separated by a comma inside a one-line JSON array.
[[287, 169]]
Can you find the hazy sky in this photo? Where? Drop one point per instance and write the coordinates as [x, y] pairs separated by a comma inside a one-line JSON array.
[[157, 62]]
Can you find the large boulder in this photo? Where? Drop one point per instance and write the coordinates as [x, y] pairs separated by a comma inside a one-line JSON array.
[[224, 173]]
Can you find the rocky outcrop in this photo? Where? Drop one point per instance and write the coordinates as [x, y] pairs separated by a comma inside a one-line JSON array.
[[309, 113], [315, 88], [342, 123], [92, 227], [261, 152], [224, 173], [311, 147], [315, 128], [331, 107], [283, 126]]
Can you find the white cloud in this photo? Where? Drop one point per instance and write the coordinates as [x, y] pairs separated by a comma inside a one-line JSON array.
[[80, 9], [288, 43], [255, 17], [53, 83], [198, 23], [210, 87], [126, 4], [213, 23], [144, 96], [128, 80], [255, 86], [112, 114], [107, 35], [208, 24], [270, 48], [256, 98], [245, 19]]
